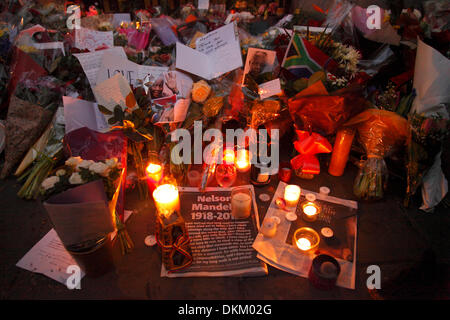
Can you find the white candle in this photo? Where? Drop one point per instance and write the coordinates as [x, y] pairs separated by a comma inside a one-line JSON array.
[[292, 195], [304, 244], [243, 160], [241, 205], [166, 199]]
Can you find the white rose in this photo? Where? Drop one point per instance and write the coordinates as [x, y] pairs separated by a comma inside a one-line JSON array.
[[85, 164], [61, 172], [73, 161], [100, 168], [50, 182], [111, 163], [75, 178]]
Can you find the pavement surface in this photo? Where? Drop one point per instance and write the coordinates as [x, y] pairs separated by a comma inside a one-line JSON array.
[[412, 249]]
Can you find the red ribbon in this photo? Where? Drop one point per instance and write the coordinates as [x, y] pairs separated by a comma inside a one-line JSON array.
[[308, 145]]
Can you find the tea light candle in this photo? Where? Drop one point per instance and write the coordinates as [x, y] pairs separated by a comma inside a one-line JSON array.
[[310, 211], [228, 156], [241, 205], [243, 160], [292, 195], [304, 244], [167, 199], [154, 172]]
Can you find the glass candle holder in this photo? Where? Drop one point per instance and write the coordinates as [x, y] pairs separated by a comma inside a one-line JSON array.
[[242, 160], [310, 211], [306, 239], [285, 172], [154, 175], [225, 175], [194, 178], [241, 203]]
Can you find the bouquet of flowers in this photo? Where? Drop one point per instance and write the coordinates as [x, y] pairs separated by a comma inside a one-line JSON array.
[[81, 198], [424, 143], [380, 131], [30, 111]]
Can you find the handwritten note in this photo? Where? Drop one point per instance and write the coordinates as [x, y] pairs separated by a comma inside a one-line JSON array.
[[92, 61], [133, 72], [93, 39], [216, 53], [269, 88]]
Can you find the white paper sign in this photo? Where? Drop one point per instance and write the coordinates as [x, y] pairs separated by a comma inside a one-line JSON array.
[[80, 113], [133, 72], [92, 61], [50, 45], [216, 53], [269, 88], [112, 92], [203, 4], [93, 39]]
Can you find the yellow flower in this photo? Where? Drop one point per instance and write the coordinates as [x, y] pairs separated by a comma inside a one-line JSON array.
[[200, 91]]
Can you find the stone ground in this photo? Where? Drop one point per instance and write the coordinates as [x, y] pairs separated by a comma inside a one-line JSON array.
[[412, 249]]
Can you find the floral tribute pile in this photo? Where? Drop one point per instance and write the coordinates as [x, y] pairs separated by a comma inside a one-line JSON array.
[[389, 85]]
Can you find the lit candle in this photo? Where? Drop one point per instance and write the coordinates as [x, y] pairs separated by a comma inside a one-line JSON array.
[[304, 244], [167, 200], [228, 156], [154, 175], [243, 160], [291, 195], [241, 205], [310, 211]]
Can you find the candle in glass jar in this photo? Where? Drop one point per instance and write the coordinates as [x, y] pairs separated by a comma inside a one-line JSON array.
[[292, 195], [310, 211], [154, 172], [167, 199], [303, 244], [241, 205], [228, 156], [341, 150], [243, 160]]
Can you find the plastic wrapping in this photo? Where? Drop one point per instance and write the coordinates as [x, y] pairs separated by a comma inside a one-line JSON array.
[[380, 132], [163, 28]]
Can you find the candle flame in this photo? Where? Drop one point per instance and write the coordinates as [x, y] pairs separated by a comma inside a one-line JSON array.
[[153, 168], [303, 244], [310, 210]]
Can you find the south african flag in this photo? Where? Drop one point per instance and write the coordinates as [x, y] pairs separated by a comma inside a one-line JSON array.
[[302, 58]]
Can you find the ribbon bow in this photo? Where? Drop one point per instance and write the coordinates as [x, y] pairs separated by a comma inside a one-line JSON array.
[[308, 145]]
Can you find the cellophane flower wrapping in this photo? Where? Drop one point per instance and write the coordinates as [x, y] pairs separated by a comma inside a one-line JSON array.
[[380, 132]]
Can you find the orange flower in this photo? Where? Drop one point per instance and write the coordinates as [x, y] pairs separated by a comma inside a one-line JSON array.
[[200, 91], [130, 101]]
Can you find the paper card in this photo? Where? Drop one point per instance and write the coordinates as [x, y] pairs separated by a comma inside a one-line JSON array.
[[92, 61], [269, 88], [216, 53], [259, 61], [133, 72], [49, 257], [118, 18], [203, 4], [50, 45], [93, 39], [80, 113], [115, 91]]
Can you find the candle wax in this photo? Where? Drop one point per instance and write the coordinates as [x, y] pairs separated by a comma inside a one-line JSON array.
[[241, 205]]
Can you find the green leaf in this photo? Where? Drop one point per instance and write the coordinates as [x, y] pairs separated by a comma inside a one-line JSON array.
[[112, 120], [104, 110]]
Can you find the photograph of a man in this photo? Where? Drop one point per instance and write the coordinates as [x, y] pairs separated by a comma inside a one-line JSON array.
[[259, 61]]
